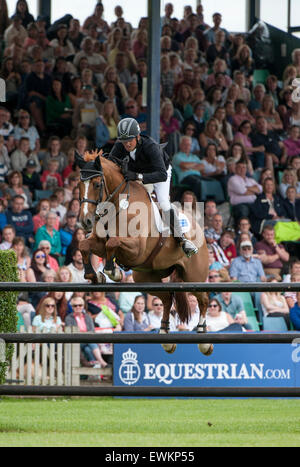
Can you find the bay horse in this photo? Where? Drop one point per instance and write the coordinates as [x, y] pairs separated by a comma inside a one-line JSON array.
[[105, 197]]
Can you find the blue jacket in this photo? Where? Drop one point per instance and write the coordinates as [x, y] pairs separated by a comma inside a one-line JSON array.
[[295, 316], [260, 211], [65, 238], [22, 222], [102, 133]]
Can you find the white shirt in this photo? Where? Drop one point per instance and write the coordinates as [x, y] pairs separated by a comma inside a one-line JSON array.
[[77, 275]]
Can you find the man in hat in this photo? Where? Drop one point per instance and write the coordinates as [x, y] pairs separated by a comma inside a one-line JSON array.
[[246, 267], [30, 176]]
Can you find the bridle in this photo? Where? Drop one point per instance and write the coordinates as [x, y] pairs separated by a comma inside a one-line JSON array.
[[101, 205]]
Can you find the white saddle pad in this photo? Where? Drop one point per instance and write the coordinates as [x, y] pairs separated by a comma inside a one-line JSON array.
[[162, 227]]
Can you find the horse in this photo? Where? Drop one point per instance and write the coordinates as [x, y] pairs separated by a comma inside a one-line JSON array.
[[105, 197]]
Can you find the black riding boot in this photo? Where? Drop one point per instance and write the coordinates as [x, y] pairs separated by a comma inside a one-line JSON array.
[[171, 219]]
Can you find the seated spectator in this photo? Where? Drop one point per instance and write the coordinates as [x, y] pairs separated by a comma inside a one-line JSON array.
[[37, 87], [6, 129], [38, 266], [214, 100], [21, 220], [217, 49], [71, 181], [241, 114], [242, 191], [289, 179], [168, 122], [247, 268], [54, 152], [216, 318], [210, 209], [10, 73], [227, 244], [156, 313], [57, 203], [22, 11], [74, 206], [48, 232], [194, 315], [255, 104], [8, 235], [214, 165], [236, 153], [198, 118], [96, 62], [294, 268], [78, 318], [212, 134], [272, 255], [240, 80], [78, 236], [242, 137], [291, 296], [292, 143], [244, 227], [15, 30], [213, 264], [274, 148], [31, 178], [268, 111], [183, 101], [77, 267], [22, 155], [58, 109], [244, 62], [67, 231], [5, 164], [31, 40], [274, 304], [213, 234], [23, 259], [232, 304], [292, 204], [62, 43], [136, 319], [188, 167], [16, 187], [47, 319], [126, 299], [51, 178], [52, 263], [268, 207], [105, 313], [86, 113], [295, 314], [219, 66], [188, 129], [224, 126], [61, 304], [111, 119]]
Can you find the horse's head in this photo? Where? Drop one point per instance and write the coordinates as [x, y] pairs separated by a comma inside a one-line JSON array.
[[91, 187]]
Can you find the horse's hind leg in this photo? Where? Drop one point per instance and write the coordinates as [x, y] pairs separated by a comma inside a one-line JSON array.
[[202, 298]]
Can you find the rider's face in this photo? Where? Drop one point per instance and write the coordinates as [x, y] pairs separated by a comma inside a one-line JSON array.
[[130, 145]]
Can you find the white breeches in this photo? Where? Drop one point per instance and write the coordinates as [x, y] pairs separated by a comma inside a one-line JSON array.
[[162, 190]]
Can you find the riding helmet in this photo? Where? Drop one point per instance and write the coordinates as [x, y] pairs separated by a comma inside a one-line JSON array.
[[128, 128]]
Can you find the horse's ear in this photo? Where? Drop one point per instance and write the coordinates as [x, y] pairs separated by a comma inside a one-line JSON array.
[[97, 163], [79, 160]]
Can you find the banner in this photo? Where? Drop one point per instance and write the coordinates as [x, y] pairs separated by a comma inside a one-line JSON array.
[[230, 365]]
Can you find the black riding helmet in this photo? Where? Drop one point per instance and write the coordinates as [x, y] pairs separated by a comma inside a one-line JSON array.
[[128, 128]]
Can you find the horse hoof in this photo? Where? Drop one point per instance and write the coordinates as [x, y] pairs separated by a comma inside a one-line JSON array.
[[169, 348], [206, 349], [100, 278]]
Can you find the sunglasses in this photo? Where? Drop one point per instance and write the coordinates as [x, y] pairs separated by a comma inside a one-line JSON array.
[[213, 277], [130, 107], [212, 306], [40, 256], [48, 305], [157, 304], [246, 248], [78, 305]]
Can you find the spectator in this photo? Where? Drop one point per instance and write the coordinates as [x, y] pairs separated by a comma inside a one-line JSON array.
[[244, 62], [242, 137], [67, 232], [47, 319], [6, 129], [289, 179], [291, 297], [71, 181], [217, 49], [244, 227], [4, 160], [74, 34], [48, 232], [21, 219], [61, 304], [255, 104], [272, 255], [268, 207], [137, 319], [197, 118], [242, 191], [292, 204], [77, 267], [23, 259], [54, 152], [194, 315], [58, 109], [96, 62], [210, 33], [292, 143], [126, 299], [227, 244], [247, 268], [15, 31], [62, 43], [274, 304], [31, 178], [213, 234], [38, 266], [216, 318], [156, 313], [45, 246], [104, 312], [84, 323], [51, 178], [212, 134], [78, 236], [8, 235], [232, 304], [268, 111], [189, 129], [86, 113], [214, 165], [241, 114], [295, 314], [22, 155], [37, 87], [188, 167]]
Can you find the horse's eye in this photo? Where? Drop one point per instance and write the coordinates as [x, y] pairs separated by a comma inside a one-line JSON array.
[[97, 185]]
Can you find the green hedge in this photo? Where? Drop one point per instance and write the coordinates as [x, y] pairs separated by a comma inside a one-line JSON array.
[[8, 307]]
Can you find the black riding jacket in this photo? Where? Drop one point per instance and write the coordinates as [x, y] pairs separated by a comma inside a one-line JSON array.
[[150, 159]]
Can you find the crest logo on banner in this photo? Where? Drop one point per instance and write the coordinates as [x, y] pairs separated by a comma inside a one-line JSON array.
[[129, 371]]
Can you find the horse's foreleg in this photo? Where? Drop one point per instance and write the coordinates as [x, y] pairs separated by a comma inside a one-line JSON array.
[[87, 247], [165, 322], [206, 349]]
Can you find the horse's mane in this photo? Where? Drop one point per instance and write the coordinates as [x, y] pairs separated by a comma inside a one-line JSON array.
[[90, 156]]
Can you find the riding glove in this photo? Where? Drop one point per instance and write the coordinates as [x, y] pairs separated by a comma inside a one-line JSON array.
[[130, 176]]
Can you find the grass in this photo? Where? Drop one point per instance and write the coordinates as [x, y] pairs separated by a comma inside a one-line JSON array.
[[149, 422]]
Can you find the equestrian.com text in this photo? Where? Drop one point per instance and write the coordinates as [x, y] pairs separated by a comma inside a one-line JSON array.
[[155, 456]]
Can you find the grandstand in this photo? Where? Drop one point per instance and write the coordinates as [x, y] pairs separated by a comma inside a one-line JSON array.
[[230, 127]]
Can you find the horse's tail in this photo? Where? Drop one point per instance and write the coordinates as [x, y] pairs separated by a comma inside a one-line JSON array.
[[181, 301]]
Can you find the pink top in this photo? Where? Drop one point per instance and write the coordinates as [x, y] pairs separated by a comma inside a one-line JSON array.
[[39, 221], [237, 186], [171, 127], [292, 146], [245, 140], [81, 323]]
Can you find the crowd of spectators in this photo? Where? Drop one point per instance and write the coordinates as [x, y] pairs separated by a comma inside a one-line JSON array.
[[67, 87]]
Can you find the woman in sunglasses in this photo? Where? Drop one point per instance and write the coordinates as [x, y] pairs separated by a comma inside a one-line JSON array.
[[216, 319], [47, 319]]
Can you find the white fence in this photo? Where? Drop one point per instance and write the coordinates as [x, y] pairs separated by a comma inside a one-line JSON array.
[[49, 364]]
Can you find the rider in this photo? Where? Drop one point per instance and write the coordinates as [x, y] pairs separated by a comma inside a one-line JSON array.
[[149, 163]]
